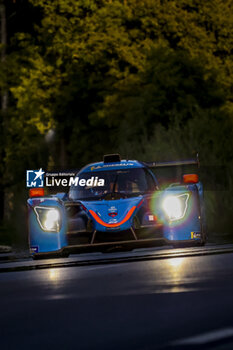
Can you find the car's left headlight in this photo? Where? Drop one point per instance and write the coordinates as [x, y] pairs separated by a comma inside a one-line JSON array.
[[48, 218], [175, 206]]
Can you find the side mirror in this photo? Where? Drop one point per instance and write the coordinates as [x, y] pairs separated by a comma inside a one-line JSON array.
[[36, 192], [190, 178]]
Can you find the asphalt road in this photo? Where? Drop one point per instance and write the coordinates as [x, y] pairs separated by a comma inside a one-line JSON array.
[[174, 302]]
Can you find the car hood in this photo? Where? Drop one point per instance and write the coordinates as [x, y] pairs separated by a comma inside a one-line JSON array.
[[113, 213]]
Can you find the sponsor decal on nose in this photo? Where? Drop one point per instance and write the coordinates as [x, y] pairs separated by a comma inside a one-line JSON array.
[[112, 214]]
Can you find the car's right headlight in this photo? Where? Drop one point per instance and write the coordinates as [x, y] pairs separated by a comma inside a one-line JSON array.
[[175, 206], [49, 218]]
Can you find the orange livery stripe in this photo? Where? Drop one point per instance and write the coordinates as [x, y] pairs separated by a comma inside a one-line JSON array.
[[101, 222]]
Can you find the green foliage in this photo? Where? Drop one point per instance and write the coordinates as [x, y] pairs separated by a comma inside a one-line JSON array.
[[151, 79]]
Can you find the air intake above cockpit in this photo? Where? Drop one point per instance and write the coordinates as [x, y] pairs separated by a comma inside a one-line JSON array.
[[112, 158]]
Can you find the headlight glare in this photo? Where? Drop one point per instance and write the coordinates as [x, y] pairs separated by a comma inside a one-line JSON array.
[[48, 218], [52, 218], [175, 206]]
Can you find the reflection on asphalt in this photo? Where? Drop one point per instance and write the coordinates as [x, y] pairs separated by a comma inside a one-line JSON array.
[[132, 305], [155, 276], [99, 258]]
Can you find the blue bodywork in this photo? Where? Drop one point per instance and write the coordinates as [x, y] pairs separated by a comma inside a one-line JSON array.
[[116, 214]]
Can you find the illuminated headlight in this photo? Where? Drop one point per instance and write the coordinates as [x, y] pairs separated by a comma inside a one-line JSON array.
[[175, 206], [48, 218]]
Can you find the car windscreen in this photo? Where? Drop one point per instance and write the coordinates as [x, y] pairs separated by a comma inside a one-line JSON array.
[[130, 182]]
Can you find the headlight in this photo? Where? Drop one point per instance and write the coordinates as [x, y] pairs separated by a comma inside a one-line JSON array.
[[48, 218], [175, 206]]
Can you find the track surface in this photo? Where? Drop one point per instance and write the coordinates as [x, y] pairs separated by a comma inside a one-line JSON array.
[[146, 299]]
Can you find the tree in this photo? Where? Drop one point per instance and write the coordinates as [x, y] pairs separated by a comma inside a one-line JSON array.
[[86, 53], [119, 75]]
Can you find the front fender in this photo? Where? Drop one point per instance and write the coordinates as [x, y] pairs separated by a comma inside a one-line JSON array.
[[190, 226], [44, 241]]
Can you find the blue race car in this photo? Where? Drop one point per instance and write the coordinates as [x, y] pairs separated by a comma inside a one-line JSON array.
[[117, 203]]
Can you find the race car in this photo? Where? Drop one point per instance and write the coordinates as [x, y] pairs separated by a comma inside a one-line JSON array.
[[117, 204]]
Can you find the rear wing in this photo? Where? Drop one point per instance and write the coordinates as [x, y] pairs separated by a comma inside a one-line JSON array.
[[173, 171], [172, 163]]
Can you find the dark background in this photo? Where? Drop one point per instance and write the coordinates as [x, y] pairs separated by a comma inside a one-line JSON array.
[[152, 80]]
